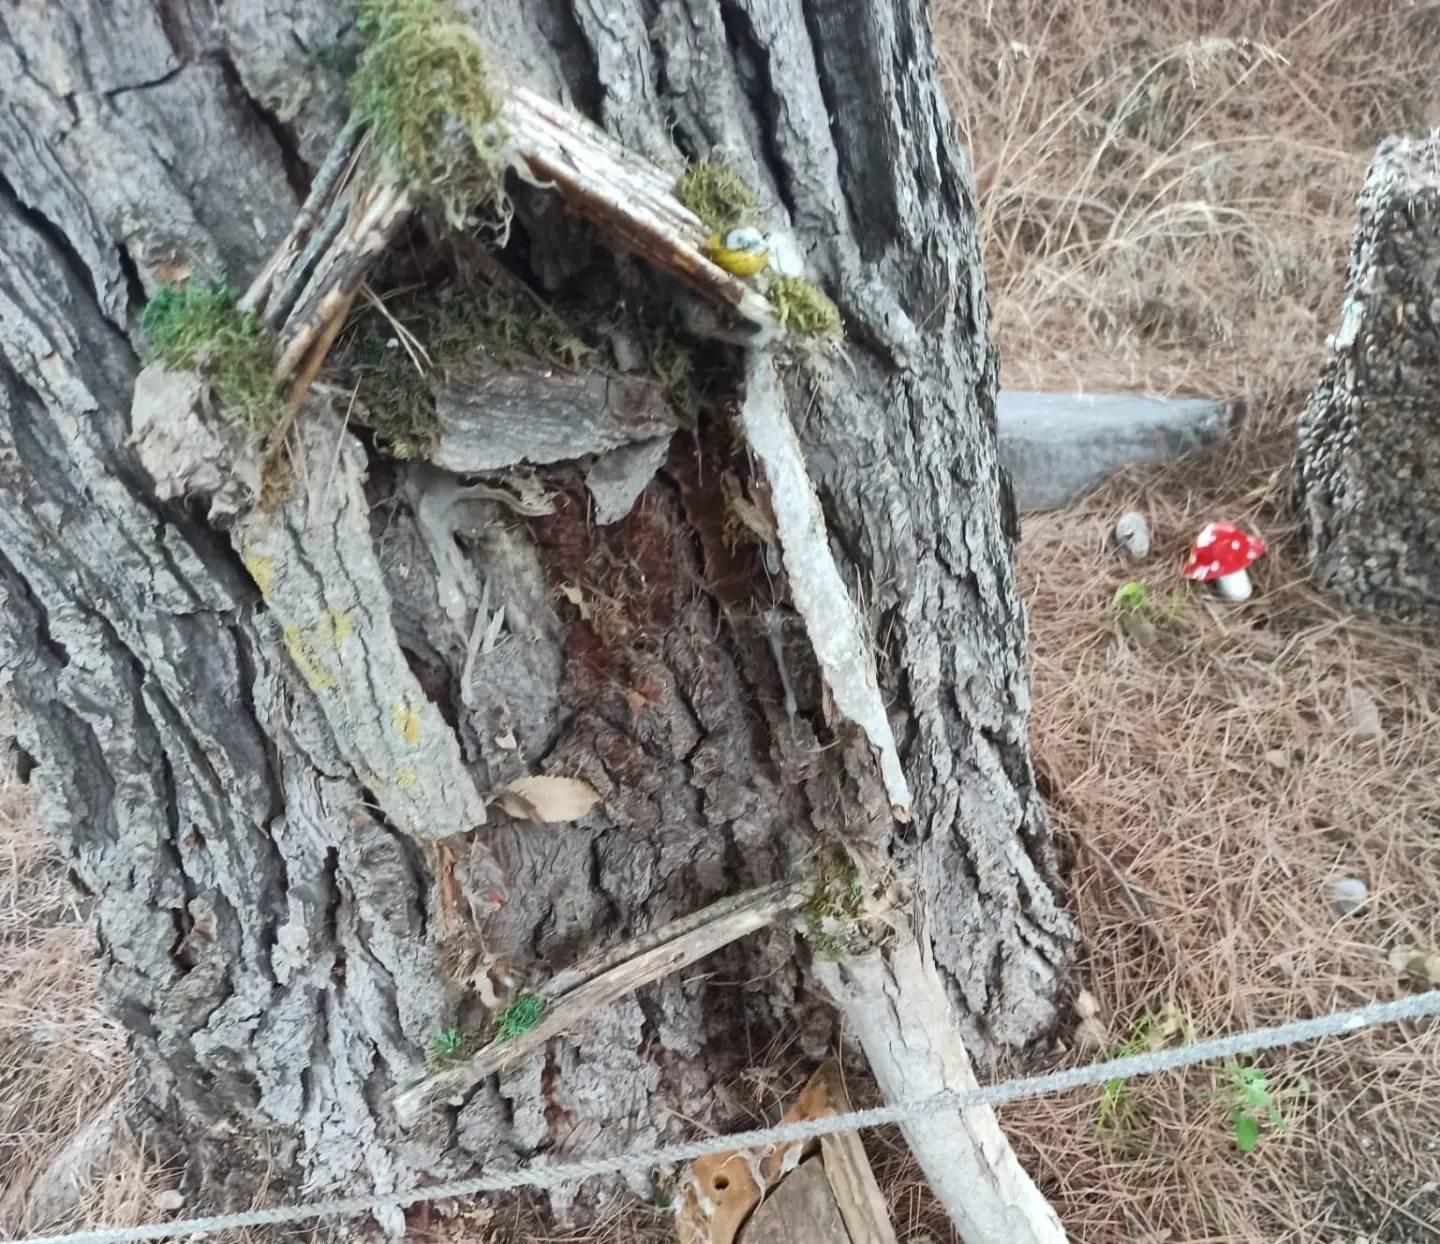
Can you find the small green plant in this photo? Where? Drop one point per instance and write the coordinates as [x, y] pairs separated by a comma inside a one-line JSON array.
[[834, 904], [804, 309], [424, 89], [1254, 1102], [445, 1047], [519, 1017], [197, 326], [1131, 598], [1122, 1112], [715, 192]]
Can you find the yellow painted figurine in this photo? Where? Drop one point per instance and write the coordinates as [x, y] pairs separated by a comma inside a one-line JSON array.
[[741, 251]]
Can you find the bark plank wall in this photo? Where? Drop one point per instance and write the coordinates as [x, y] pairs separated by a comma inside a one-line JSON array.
[[286, 924], [1370, 436]]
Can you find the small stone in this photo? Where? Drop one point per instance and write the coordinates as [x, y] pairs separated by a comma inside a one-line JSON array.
[[1086, 1007], [1346, 895], [1364, 713], [1132, 535], [169, 1201], [1277, 758]]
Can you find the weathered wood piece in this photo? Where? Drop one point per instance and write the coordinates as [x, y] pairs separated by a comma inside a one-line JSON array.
[[1370, 435], [894, 1002], [491, 417], [857, 1193], [617, 974], [802, 1210]]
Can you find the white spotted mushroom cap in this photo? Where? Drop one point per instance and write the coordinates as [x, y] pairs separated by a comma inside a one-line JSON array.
[[1219, 550]]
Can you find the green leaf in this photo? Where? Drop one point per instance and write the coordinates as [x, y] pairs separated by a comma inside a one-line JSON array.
[[1247, 1132]]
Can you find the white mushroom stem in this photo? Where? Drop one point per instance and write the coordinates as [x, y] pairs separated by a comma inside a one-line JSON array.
[[1234, 586]]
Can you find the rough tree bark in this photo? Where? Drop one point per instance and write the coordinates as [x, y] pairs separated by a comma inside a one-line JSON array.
[[211, 702], [1370, 436]]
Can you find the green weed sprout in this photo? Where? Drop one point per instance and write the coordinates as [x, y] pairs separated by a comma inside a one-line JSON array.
[[445, 1048], [197, 326], [714, 192], [1254, 1102], [423, 88], [1121, 1110], [519, 1017], [1131, 598]]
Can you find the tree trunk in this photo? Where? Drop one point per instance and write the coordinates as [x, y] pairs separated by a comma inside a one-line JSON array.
[[267, 736], [1370, 436]]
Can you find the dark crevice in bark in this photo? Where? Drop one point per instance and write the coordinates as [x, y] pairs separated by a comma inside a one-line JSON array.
[[57, 238], [752, 62], [131, 87], [842, 39], [297, 172], [573, 53]]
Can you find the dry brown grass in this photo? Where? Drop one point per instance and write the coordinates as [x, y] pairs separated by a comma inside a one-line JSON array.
[[1168, 186], [1215, 781], [62, 1060]]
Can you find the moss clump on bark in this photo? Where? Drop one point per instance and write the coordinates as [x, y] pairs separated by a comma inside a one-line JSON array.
[[423, 87], [519, 1017], [716, 194], [834, 905], [197, 326], [804, 309]]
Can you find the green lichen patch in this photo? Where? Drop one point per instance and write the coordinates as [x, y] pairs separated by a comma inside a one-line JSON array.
[[715, 192], [804, 309], [423, 87], [835, 904], [519, 1017], [197, 326]]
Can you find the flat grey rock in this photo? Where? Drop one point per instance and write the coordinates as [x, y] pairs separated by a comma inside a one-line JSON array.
[[1058, 446]]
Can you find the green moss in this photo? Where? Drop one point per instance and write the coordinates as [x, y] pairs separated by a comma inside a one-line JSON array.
[[197, 326], [714, 192], [804, 309], [834, 904], [519, 1017], [423, 87], [445, 1048]]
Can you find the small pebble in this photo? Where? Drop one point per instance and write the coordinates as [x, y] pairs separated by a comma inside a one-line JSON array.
[[169, 1201], [1132, 535], [1346, 895]]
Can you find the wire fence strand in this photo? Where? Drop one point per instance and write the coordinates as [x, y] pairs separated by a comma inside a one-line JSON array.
[[640, 1161]]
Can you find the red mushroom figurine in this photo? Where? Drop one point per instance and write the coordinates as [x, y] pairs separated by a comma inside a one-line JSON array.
[[1220, 555]]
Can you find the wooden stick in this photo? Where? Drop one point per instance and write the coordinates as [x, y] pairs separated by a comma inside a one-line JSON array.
[[608, 978]]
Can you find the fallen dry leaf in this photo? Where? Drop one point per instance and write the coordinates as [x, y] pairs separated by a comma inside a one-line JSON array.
[[576, 596], [1417, 963], [548, 798]]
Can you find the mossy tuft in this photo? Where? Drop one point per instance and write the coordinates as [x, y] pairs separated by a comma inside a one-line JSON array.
[[197, 326], [804, 309], [716, 194], [444, 1048], [423, 87], [834, 904], [519, 1017]]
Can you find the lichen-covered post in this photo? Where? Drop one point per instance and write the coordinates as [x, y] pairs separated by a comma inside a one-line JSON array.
[[1370, 436]]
